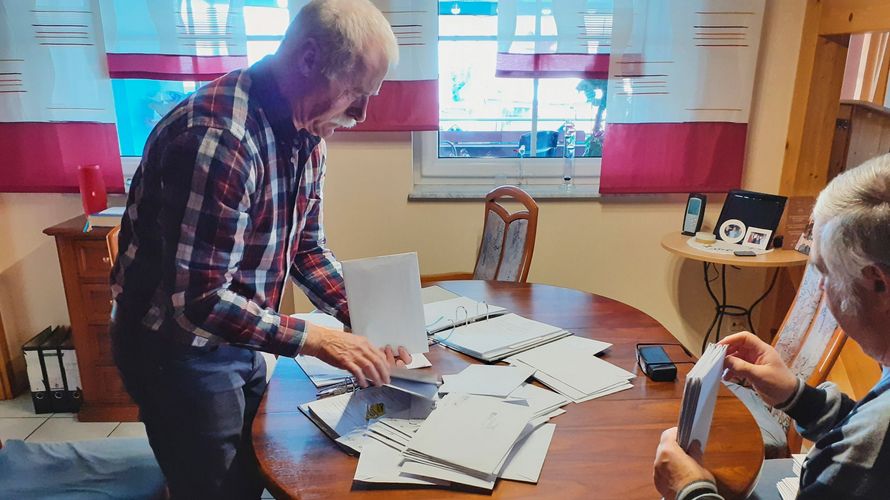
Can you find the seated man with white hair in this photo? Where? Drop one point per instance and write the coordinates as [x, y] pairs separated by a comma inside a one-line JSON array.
[[851, 455], [225, 205]]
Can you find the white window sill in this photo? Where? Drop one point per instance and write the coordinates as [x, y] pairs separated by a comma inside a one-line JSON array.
[[477, 192]]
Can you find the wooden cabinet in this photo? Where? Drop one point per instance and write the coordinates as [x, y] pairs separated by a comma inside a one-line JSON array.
[[85, 271], [862, 131]]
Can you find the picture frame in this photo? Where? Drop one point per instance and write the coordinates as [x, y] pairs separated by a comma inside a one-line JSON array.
[[758, 238], [732, 231]]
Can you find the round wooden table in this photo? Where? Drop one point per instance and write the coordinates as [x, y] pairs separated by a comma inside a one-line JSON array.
[[601, 449]]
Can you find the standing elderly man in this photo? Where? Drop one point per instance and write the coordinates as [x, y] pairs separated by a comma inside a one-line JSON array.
[[851, 455], [224, 206]]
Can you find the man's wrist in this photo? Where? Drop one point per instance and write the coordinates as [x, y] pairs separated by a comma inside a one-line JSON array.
[[792, 399], [700, 489]]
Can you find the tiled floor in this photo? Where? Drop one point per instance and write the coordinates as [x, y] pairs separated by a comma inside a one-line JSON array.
[[18, 421]]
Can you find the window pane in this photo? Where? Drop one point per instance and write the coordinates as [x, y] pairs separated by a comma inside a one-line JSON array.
[[265, 21], [257, 50], [583, 102], [140, 104], [483, 116], [468, 26]]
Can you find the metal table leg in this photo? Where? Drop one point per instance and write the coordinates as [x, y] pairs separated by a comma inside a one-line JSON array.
[[721, 308]]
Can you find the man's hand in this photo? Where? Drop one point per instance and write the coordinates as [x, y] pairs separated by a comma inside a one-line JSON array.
[[403, 359], [350, 352], [674, 469], [751, 359]]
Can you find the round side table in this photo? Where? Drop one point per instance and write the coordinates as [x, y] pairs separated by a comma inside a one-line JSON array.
[[677, 243]]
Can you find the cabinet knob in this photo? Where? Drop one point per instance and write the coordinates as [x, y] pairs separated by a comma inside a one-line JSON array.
[[106, 260]]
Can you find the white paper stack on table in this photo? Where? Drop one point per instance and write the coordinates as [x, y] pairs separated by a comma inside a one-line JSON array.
[[470, 439], [699, 397], [387, 439], [486, 380], [442, 315], [496, 338], [570, 367]]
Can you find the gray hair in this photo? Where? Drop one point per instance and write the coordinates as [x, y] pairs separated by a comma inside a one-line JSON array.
[[852, 215], [344, 31]]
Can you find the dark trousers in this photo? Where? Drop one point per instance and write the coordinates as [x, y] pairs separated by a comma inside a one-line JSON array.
[[198, 404]]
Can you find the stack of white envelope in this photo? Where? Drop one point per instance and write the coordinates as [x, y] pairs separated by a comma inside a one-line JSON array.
[[468, 439], [494, 339], [570, 367], [789, 486]]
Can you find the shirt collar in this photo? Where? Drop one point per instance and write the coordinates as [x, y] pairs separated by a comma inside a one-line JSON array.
[[276, 107]]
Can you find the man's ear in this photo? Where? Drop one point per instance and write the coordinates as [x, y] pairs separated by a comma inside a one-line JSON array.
[[309, 61], [878, 276]]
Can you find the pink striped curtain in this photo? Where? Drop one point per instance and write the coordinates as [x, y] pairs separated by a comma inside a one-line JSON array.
[[554, 38], [681, 77], [182, 40], [56, 109]]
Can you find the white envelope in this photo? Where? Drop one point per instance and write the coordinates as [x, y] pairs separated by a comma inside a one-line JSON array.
[[383, 294]]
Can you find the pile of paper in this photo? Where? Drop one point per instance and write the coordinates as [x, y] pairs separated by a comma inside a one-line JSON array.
[[444, 314], [570, 367], [496, 338], [699, 398], [461, 428], [468, 440], [789, 486]]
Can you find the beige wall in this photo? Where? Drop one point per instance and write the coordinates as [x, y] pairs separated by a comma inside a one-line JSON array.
[[609, 247]]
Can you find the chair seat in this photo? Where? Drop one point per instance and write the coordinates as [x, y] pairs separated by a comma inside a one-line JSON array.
[[775, 437], [104, 468]]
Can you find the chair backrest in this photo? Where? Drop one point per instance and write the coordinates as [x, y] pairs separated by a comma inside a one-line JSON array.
[[111, 242], [809, 341], [508, 239]]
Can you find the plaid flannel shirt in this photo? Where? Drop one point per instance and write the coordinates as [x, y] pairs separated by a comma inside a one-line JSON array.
[[227, 202]]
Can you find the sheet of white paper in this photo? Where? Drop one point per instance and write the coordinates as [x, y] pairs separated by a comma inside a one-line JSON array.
[[486, 380], [540, 400], [384, 301], [432, 294], [379, 463], [320, 319], [527, 458], [431, 472], [320, 373], [418, 360]]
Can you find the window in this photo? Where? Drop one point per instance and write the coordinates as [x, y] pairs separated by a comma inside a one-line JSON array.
[[494, 129], [140, 104]]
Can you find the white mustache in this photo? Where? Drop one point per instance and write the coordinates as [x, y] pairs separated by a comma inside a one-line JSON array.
[[344, 122]]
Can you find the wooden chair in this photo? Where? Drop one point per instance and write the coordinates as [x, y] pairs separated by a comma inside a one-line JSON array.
[[111, 242], [508, 240], [809, 342]]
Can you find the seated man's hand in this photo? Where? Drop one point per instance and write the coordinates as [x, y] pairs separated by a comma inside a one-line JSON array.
[[403, 358], [674, 469], [350, 352], [751, 359]]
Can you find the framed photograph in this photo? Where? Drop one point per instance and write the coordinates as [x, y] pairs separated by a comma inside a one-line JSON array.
[[757, 238], [732, 231]]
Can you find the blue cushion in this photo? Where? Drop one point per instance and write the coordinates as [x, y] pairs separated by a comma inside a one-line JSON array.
[[103, 468], [775, 437]]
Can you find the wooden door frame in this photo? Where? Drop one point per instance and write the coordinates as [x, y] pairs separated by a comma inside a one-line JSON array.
[[815, 104]]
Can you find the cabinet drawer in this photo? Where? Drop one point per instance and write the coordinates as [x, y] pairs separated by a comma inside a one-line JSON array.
[[96, 302], [92, 259]]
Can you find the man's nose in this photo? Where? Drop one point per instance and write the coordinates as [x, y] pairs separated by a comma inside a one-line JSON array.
[[358, 110]]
